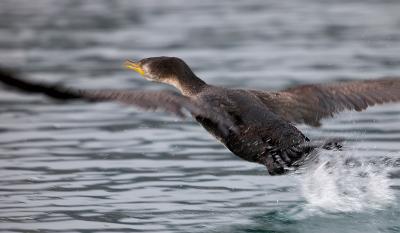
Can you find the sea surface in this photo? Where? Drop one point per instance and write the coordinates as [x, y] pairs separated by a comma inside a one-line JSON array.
[[105, 167]]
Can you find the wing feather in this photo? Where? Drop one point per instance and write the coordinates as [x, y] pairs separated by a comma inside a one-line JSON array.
[[310, 103], [168, 101]]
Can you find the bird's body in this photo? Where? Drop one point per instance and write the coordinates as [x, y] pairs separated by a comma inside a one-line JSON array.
[[257, 126], [256, 139]]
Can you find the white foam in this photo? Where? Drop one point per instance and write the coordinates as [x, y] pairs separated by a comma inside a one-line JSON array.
[[334, 184]]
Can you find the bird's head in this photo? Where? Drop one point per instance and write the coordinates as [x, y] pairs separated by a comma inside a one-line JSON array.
[[161, 69], [170, 70]]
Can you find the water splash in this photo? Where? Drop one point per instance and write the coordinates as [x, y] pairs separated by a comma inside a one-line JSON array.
[[341, 181]]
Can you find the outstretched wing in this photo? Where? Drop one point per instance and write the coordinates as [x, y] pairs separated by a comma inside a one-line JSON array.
[[168, 101], [310, 103]]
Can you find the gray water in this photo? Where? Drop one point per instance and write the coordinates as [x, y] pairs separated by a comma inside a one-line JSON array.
[[84, 167]]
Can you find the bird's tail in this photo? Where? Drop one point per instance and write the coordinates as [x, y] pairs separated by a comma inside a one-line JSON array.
[[12, 79], [304, 155]]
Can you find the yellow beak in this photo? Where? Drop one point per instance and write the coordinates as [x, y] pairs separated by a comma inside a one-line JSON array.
[[134, 66]]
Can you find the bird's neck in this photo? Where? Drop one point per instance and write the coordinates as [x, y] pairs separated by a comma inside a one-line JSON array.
[[189, 85]]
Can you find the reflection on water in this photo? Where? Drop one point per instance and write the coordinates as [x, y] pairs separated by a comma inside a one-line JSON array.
[[81, 167]]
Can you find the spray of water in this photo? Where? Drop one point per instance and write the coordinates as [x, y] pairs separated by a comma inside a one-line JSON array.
[[341, 181]]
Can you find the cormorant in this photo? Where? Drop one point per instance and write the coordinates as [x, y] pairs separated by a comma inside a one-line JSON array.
[[255, 125]]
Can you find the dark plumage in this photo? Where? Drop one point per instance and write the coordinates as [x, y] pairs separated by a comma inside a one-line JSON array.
[[255, 125]]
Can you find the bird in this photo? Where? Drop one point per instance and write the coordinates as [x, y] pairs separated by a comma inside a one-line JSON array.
[[256, 125]]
